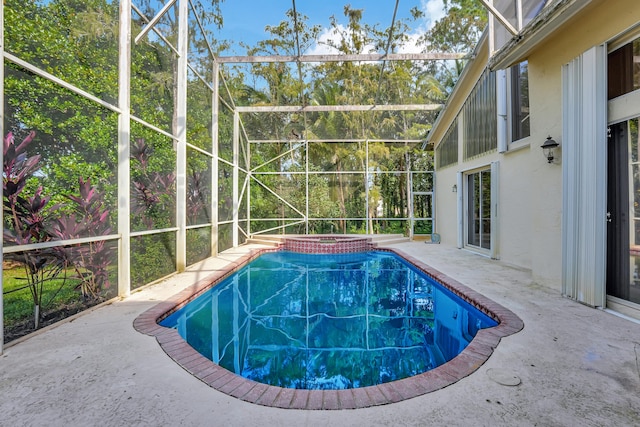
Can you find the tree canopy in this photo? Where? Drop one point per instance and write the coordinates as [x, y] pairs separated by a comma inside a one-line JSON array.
[[340, 171]]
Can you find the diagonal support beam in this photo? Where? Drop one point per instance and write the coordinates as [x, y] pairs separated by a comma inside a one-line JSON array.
[[489, 5], [263, 185], [291, 150], [155, 20]]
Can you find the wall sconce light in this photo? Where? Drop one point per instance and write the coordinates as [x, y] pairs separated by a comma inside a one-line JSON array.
[[454, 189], [548, 149]]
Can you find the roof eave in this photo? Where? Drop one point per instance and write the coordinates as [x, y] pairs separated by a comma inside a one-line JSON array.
[[543, 26]]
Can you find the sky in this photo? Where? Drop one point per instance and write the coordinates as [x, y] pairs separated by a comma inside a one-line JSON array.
[[245, 20]]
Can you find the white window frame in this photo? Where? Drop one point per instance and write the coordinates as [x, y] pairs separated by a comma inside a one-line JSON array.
[[506, 108]]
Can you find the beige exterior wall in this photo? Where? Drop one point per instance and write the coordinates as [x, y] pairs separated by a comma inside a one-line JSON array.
[[515, 180], [446, 199], [597, 24], [446, 205], [517, 205], [530, 211]]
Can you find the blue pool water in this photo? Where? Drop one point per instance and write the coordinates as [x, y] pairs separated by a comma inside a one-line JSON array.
[[328, 321]]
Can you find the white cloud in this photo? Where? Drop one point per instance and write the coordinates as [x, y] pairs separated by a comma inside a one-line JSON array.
[[322, 46], [411, 45], [433, 11]]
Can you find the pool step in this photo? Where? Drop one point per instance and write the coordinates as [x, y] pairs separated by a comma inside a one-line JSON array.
[[270, 237], [262, 240], [389, 239]]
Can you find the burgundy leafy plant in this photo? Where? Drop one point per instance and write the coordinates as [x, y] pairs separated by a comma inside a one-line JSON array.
[[90, 261], [197, 197], [29, 219], [26, 217], [153, 192]]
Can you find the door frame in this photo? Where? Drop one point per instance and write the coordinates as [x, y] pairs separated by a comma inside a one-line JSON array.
[[620, 109], [463, 209]]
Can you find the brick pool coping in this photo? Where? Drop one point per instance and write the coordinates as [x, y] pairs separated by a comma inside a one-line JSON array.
[[219, 378]]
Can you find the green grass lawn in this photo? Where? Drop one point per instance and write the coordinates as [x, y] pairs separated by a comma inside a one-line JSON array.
[[18, 301], [61, 298]]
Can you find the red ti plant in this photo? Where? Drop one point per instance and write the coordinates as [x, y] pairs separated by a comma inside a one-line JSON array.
[[26, 218], [197, 198], [153, 192], [29, 220], [90, 261]]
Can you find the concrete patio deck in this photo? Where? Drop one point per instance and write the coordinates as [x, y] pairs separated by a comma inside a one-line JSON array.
[[577, 366]]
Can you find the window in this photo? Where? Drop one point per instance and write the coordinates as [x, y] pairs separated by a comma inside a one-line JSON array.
[[518, 105], [447, 151], [479, 122], [513, 118], [624, 69]]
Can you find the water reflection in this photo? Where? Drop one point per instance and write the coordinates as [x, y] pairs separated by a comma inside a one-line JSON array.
[[328, 321]]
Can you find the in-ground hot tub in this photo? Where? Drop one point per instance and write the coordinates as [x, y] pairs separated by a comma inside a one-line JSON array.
[[327, 244]]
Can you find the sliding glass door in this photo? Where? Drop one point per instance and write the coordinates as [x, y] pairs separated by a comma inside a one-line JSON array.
[[623, 175], [623, 212], [478, 223]]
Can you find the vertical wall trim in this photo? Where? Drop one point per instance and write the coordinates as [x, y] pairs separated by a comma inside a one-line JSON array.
[[459, 183], [501, 107], [584, 155], [460, 206], [124, 150], [495, 206]]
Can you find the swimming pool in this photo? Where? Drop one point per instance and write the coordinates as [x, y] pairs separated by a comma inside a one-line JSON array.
[[468, 361], [317, 321]]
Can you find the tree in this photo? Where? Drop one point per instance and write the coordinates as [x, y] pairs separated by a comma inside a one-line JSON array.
[[458, 31], [77, 42], [30, 219]]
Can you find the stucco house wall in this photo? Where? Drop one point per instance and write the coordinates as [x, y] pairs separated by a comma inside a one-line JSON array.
[[530, 189]]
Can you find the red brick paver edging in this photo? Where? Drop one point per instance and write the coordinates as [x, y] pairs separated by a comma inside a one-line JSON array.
[[219, 378]]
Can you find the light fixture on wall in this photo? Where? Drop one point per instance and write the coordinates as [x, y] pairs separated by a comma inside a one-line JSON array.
[[548, 149], [454, 189]]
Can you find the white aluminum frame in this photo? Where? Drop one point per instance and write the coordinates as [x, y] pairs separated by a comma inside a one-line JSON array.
[[241, 143]]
